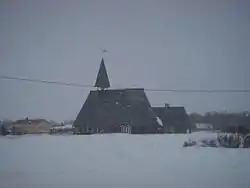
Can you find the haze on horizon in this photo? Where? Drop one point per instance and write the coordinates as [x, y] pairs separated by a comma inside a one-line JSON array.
[[170, 44]]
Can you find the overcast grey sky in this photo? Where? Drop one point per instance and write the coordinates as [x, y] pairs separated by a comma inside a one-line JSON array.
[[177, 44]]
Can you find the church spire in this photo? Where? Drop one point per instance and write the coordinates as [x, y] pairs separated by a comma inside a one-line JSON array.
[[102, 80]]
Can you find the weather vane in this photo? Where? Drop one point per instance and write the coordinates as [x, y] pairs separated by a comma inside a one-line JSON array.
[[103, 50]]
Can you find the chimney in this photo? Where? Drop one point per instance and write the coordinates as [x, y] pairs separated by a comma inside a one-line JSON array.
[[167, 105]]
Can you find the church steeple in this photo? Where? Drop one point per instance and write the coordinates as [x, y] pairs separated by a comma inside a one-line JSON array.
[[102, 80]]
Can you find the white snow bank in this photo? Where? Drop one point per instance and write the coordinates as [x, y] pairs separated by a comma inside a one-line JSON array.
[[119, 160]]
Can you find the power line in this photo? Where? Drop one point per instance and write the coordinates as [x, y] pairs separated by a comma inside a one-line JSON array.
[[146, 89], [201, 90], [43, 81]]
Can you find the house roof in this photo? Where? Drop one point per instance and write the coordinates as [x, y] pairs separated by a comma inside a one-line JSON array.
[[171, 114], [33, 121], [102, 80], [159, 111], [176, 111], [116, 106]]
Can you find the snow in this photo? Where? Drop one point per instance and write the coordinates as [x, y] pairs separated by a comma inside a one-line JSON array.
[[119, 160], [159, 121]]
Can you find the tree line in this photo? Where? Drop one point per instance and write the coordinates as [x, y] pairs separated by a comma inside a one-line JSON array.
[[220, 120]]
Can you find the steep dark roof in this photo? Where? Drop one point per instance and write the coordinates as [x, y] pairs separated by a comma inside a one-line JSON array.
[[102, 80], [172, 115], [173, 111], [159, 111], [177, 112], [115, 107]]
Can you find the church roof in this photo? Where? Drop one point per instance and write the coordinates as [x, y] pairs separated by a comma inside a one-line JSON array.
[[115, 107]]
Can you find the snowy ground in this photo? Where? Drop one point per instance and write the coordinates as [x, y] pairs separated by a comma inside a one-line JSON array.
[[119, 160]]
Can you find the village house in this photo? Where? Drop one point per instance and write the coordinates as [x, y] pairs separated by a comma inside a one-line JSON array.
[[203, 127], [115, 110], [174, 119], [30, 126], [62, 129]]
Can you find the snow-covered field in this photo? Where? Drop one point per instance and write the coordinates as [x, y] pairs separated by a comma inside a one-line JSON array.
[[119, 160]]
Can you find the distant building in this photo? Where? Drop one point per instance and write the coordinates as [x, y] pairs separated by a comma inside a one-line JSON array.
[[203, 126], [115, 110], [31, 126], [63, 129], [174, 119]]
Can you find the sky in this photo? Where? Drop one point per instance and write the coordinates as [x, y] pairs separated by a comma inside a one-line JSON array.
[[163, 44]]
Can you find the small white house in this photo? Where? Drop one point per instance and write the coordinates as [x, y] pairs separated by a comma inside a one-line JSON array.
[[62, 129], [204, 126]]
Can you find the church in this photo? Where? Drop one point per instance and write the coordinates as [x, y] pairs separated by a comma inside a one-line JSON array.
[[116, 110]]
